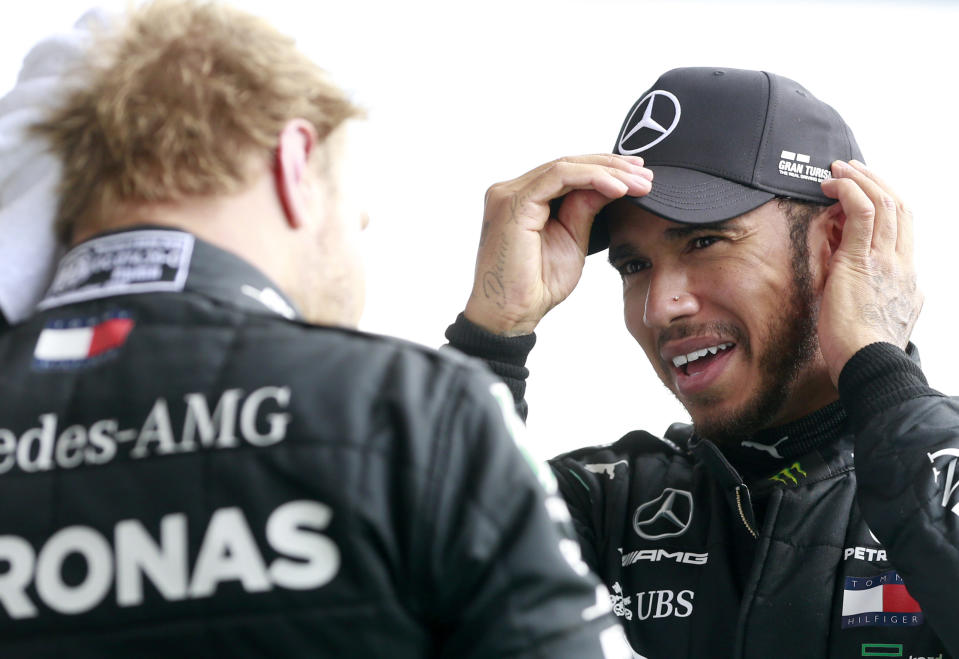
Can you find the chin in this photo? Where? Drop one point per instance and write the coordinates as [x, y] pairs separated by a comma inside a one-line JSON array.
[[731, 423], [713, 426], [708, 408]]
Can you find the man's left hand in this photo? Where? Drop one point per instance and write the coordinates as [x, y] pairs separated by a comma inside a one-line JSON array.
[[870, 291]]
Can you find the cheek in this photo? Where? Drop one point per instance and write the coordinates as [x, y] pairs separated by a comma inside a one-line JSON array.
[[634, 310]]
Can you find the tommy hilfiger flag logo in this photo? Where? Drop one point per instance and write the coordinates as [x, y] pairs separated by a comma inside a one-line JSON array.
[[880, 601], [71, 343]]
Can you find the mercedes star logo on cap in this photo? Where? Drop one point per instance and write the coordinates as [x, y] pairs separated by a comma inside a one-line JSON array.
[[666, 516], [649, 130]]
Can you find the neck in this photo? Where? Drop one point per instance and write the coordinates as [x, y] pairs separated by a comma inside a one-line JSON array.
[[809, 394]]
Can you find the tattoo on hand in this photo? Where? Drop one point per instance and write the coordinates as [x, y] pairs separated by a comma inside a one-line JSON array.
[[871, 315], [897, 315], [484, 234], [515, 204], [493, 289]]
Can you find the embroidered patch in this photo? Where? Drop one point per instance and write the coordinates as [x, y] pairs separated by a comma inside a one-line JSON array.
[[879, 601], [122, 264], [68, 344]]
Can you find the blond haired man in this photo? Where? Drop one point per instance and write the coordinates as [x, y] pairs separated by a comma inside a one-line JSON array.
[[199, 455]]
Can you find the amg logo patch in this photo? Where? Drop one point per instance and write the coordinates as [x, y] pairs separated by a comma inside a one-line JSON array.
[[657, 555]]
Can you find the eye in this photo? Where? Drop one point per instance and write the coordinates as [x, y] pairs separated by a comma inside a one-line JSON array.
[[632, 267], [702, 242]]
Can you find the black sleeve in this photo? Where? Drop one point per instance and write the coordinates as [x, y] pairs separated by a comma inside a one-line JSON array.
[[907, 468], [505, 355], [507, 579], [579, 497]]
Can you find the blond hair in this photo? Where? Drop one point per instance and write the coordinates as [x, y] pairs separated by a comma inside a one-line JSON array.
[[173, 104]]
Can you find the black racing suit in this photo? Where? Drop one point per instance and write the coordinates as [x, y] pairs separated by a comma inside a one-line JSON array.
[[836, 536], [186, 472]]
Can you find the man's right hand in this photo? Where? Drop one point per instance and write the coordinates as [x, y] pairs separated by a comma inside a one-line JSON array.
[[530, 258]]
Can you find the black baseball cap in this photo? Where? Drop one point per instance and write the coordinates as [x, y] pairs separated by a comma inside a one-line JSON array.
[[722, 142]]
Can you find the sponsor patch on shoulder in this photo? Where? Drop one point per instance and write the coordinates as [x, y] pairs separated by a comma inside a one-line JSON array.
[[72, 343], [608, 468]]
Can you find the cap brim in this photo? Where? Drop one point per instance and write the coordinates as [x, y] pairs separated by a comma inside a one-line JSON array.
[[688, 197]]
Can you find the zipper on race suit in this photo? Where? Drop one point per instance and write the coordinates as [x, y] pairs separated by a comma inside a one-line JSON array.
[[742, 491], [728, 478]]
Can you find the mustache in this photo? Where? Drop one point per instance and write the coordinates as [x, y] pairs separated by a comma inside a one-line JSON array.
[[718, 328]]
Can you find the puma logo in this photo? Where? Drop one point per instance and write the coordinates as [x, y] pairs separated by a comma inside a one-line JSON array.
[[768, 448]]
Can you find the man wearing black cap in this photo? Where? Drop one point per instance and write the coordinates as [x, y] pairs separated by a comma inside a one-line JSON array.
[[812, 509]]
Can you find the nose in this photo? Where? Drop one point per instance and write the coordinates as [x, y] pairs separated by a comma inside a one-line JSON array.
[[668, 299]]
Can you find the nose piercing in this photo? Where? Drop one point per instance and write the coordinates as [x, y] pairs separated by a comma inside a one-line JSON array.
[[675, 298]]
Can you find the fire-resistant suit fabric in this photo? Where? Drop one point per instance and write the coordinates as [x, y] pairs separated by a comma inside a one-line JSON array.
[[835, 536], [188, 469]]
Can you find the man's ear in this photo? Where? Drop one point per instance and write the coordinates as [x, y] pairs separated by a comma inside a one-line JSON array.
[[294, 146], [834, 219], [825, 234]]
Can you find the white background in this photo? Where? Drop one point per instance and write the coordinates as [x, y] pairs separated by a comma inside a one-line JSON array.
[[462, 95]]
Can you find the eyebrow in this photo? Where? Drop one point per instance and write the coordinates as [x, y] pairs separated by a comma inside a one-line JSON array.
[[622, 253], [725, 226], [626, 251]]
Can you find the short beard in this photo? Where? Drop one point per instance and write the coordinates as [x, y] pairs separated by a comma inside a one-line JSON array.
[[794, 343]]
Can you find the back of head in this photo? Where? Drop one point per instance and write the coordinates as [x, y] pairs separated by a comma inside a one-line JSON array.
[[173, 104]]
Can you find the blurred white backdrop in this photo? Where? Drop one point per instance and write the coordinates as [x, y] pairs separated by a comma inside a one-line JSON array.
[[461, 95]]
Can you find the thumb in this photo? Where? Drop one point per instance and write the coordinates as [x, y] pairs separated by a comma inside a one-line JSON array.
[[577, 212]]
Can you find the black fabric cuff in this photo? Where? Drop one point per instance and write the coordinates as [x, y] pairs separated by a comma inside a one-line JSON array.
[[876, 378], [505, 355]]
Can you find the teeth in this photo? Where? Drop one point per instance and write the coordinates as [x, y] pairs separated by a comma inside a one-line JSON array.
[[680, 360]]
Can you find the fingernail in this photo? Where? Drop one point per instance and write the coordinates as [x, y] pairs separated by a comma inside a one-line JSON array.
[[838, 168], [634, 159], [645, 181], [645, 173], [859, 165]]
